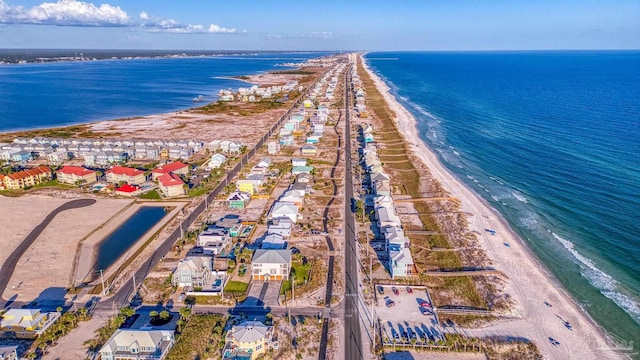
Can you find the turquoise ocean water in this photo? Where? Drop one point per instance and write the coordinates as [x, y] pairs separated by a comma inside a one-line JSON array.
[[552, 141]]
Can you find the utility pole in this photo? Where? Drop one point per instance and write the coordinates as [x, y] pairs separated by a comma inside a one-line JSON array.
[[133, 275], [104, 290]]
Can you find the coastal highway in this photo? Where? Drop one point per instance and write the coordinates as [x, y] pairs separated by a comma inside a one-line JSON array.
[[126, 291], [9, 266], [353, 337]]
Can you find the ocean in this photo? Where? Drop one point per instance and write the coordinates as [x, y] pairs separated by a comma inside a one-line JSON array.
[[37, 95], [552, 141]]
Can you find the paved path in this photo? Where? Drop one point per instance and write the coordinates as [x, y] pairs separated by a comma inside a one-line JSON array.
[[10, 265]]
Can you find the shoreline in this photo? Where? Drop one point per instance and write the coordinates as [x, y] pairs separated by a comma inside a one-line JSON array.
[[538, 322]]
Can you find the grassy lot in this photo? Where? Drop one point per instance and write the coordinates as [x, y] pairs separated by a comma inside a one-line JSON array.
[[237, 287], [201, 338], [151, 195]]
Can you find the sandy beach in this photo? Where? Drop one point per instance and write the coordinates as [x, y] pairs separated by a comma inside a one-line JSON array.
[[529, 283]]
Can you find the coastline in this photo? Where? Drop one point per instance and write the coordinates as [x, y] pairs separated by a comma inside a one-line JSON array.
[[529, 283]]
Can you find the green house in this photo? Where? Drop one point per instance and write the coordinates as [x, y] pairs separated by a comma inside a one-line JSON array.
[[238, 200]]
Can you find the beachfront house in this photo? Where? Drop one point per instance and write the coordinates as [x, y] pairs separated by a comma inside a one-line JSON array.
[[75, 175], [400, 263], [138, 344], [122, 174], [57, 157], [192, 271], [251, 184], [249, 340], [301, 170], [26, 323], [271, 265]]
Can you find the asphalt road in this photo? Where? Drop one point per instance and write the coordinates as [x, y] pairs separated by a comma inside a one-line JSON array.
[[126, 291], [9, 266], [353, 337]]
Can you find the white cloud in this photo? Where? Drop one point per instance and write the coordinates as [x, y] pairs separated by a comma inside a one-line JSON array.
[[80, 13], [172, 26], [65, 13]]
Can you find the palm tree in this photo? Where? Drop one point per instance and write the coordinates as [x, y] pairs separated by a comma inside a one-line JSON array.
[[127, 311], [164, 315], [185, 313], [153, 314]]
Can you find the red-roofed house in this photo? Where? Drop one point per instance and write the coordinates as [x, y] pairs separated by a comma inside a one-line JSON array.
[[129, 175], [2, 182], [27, 178], [128, 190], [76, 175], [171, 185], [174, 167]]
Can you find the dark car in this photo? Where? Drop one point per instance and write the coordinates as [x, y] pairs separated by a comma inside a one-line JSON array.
[[554, 341], [380, 290], [409, 290], [389, 302], [425, 311], [395, 291], [295, 250]]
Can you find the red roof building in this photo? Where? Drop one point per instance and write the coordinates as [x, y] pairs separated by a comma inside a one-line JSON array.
[[26, 178], [128, 190], [125, 174], [174, 167], [75, 174], [171, 185]]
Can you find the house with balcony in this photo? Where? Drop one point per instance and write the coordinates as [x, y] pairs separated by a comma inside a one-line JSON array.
[[248, 340], [139, 344], [192, 271], [74, 175], [26, 323], [271, 265], [27, 178], [8, 353], [171, 185], [400, 263], [128, 175], [213, 240], [177, 168]]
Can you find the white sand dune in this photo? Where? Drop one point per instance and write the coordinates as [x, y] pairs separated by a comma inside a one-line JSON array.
[[529, 283]]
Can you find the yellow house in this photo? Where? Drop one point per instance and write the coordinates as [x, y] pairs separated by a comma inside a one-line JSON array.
[[26, 323], [249, 340]]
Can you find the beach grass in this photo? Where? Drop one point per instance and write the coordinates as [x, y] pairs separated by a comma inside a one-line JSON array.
[[237, 287], [410, 180]]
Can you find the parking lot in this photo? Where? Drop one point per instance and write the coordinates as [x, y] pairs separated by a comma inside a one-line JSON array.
[[406, 316]]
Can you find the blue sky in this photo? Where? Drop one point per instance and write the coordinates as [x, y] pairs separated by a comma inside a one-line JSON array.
[[320, 25]]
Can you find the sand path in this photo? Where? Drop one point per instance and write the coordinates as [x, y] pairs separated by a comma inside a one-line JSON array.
[[529, 283]]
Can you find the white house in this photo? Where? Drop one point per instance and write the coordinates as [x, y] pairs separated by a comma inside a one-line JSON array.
[[298, 162], [265, 163], [273, 241], [192, 271], [216, 161], [273, 147], [283, 209], [281, 226], [138, 344], [292, 197], [400, 263], [213, 240], [271, 264]]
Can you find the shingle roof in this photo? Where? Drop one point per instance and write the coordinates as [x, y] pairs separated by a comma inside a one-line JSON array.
[[263, 256], [250, 331]]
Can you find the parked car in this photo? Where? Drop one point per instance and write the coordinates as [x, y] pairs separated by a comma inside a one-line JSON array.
[[395, 291], [380, 290], [409, 290], [425, 304], [295, 250], [425, 311], [388, 302], [554, 341], [181, 297]]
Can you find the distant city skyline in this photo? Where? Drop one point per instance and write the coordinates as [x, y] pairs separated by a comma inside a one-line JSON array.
[[320, 25]]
